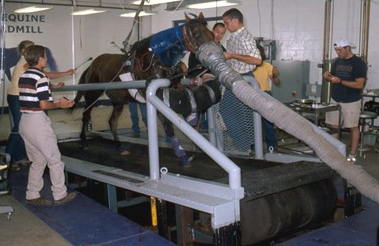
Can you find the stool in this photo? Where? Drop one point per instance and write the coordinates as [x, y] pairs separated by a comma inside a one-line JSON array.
[[364, 115]]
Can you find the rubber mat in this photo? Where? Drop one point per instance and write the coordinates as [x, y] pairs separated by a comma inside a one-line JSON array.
[[84, 221]]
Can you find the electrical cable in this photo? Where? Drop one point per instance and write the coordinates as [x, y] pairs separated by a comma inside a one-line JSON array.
[[178, 6]]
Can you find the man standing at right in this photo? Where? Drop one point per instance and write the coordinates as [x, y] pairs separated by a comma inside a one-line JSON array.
[[347, 78]]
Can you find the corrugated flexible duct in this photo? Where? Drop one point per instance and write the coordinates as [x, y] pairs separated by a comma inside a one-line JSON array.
[[212, 57]]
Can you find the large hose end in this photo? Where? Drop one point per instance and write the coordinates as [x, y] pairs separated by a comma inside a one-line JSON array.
[[211, 55]]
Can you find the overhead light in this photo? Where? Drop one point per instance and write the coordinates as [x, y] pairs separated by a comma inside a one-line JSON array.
[[87, 12], [132, 14], [211, 4], [153, 2], [32, 9]]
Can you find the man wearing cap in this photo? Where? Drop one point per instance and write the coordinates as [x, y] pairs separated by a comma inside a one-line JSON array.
[[347, 78]]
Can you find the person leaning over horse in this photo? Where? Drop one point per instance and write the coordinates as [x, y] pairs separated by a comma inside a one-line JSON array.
[[37, 132], [347, 78]]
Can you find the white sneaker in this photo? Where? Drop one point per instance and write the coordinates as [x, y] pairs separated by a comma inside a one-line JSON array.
[[351, 157]]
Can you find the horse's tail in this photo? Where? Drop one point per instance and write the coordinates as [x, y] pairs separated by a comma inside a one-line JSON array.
[[80, 94]]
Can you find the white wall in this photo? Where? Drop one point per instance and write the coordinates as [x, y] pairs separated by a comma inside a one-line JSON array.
[[72, 40], [297, 26]]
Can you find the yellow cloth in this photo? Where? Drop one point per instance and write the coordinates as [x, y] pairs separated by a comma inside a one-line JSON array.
[[262, 74], [17, 72]]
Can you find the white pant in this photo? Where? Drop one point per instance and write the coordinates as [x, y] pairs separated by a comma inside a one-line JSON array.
[[42, 149]]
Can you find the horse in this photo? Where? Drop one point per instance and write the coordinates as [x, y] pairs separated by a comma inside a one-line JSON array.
[[157, 56]]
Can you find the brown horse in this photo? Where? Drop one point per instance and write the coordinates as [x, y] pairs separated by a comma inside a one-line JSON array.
[[157, 56]]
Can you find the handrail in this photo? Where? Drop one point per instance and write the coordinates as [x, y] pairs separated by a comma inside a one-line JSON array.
[[136, 84], [154, 103]]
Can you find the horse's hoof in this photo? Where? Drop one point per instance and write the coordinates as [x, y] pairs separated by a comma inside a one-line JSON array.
[[124, 152], [185, 161], [121, 149], [83, 146]]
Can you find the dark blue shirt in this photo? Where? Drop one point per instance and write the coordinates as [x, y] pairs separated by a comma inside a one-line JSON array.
[[347, 69]]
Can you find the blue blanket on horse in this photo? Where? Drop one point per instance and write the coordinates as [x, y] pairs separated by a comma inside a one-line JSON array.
[[169, 45]]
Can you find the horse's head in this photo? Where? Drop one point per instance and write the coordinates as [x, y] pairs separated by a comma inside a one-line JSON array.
[[196, 32]]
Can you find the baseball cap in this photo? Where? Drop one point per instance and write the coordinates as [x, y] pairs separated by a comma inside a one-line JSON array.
[[342, 43]]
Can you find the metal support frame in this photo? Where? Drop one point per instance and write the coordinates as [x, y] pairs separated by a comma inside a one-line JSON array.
[[219, 200], [112, 198]]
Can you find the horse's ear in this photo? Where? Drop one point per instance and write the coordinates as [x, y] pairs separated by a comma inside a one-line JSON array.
[[187, 18], [201, 16]]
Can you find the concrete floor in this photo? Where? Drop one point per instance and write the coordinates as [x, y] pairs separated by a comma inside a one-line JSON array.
[[24, 228]]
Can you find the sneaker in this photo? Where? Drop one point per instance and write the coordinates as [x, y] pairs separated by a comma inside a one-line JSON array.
[[40, 201], [185, 161], [68, 198], [122, 150], [351, 157]]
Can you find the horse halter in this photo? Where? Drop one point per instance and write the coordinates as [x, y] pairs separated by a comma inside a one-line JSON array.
[[191, 46]]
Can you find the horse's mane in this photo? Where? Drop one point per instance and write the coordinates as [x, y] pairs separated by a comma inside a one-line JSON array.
[[140, 46]]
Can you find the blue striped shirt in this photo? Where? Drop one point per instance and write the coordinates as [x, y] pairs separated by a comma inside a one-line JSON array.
[[34, 87], [241, 42]]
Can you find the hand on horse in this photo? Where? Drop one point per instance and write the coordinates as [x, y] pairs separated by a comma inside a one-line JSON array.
[[208, 77], [70, 72], [57, 86]]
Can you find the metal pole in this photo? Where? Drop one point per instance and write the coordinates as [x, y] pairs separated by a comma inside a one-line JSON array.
[[2, 46], [152, 126], [366, 25], [211, 126], [136, 84], [152, 100], [258, 139], [326, 56]]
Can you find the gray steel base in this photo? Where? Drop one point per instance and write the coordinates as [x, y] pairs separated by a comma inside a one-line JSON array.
[[216, 199]]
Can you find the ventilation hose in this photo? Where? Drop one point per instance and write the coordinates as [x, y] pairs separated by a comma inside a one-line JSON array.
[[212, 57]]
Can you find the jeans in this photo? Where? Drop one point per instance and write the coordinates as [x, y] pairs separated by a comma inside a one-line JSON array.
[[15, 144], [134, 115], [269, 131], [204, 120]]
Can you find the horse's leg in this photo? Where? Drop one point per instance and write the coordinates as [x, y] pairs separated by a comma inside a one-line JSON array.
[[179, 151], [86, 120], [118, 107]]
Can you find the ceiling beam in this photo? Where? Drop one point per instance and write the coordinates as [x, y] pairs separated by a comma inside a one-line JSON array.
[[72, 5]]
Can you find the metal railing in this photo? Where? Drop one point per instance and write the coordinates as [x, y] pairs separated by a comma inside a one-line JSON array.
[[154, 104]]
